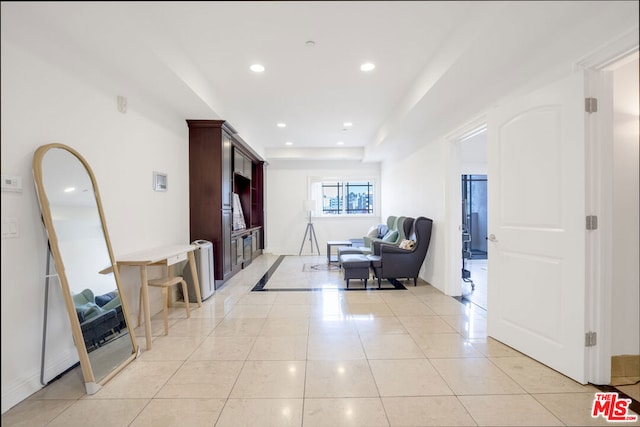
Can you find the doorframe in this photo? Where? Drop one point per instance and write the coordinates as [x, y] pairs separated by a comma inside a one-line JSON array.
[[453, 196], [599, 201]]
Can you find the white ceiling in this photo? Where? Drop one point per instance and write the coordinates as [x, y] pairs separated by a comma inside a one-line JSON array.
[[438, 64]]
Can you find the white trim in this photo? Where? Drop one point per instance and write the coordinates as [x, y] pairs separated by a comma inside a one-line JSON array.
[[599, 176], [599, 244], [453, 223], [453, 197], [477, 131], [469, 129], [611, 52]]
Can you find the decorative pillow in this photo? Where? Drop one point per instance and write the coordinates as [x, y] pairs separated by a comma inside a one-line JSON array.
[[87, 311], [391, 236], [407, 244], [103, 299], [382, 231], [373, 231]]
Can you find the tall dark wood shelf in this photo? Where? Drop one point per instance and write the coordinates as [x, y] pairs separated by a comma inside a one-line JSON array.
[[220, 164]]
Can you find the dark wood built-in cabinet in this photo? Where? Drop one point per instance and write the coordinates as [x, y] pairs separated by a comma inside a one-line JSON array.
[[220, 164]]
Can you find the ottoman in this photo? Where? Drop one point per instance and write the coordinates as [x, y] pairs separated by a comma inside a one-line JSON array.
[[349, 250], [355, 266]]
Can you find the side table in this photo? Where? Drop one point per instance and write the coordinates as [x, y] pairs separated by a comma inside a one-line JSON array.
[[332, 243]]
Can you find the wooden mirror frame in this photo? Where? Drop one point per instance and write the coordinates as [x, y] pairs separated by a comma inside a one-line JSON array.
[[92, 384]]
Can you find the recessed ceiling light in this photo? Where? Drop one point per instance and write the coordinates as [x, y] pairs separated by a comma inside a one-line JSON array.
[[282, 125], [70, 189], [347, 124], [310, 43], [340, 143], [367, 66], [257, 68], [288, 143]]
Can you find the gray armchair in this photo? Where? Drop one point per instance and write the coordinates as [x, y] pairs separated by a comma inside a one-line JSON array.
[[405, 226], [393, 262], [391, 226]]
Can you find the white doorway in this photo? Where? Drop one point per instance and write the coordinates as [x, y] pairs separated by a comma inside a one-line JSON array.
[[474, 214], [474, 239]]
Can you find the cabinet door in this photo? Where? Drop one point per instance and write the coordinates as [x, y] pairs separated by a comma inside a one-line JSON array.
[[236, 252], [227, 250], [227, 183], [255, 240], [241, 249]]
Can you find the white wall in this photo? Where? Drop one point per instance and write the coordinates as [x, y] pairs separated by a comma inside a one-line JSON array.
[[287, 186], [473, 155], [42, 104], [414, 186], [626, 277]]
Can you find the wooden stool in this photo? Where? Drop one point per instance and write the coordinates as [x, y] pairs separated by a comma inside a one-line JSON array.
[[165, 284]]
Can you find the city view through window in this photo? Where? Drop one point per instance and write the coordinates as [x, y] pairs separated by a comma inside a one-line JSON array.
[[347, 198]]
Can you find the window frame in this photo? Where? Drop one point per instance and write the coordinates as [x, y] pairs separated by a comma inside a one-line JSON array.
[[315, 193]]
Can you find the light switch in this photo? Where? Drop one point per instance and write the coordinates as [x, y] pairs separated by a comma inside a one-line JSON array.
[[11, 183], [10, 228]]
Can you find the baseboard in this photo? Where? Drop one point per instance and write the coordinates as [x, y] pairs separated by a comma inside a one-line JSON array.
[[13, 394]]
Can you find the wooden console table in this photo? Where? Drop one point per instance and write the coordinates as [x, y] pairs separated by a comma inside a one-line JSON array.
[[167, 255]]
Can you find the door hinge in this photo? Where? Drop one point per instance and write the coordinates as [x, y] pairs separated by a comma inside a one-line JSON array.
[[590, 339], [592, 222], [591, 105]]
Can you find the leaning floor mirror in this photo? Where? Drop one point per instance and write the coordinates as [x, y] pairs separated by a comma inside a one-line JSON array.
[[79, 244]]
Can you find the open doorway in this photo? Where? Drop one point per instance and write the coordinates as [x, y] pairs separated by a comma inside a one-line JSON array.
[[474, 238], [473, 191]]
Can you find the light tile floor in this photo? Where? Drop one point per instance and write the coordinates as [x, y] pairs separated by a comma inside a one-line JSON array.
[[327, 357], [478, 270]]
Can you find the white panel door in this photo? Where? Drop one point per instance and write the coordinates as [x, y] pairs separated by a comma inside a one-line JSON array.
[[536, 269]]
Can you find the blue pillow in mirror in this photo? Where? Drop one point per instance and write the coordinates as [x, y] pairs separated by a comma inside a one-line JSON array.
[[103, 299]]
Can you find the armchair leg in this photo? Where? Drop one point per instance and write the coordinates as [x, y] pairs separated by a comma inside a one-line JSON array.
[[379, 282], [415, 281], [347, 283]]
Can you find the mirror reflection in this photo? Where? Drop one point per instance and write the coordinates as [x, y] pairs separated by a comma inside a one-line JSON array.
[[73, 217]]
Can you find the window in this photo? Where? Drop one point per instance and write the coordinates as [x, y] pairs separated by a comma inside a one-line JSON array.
[[344, 197]]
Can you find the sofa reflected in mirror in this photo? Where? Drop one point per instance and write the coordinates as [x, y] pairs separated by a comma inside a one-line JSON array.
[[101, 317]]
